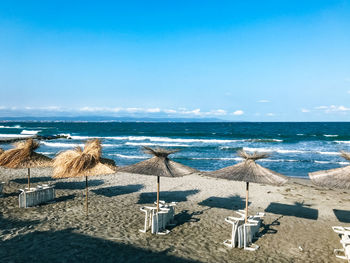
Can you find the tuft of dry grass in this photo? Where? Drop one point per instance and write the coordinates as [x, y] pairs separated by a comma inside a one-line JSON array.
[[79, 162], [23, 156]]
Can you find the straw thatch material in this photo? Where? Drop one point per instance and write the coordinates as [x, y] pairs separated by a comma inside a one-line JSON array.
[[1, 151], [23, 156], [249, 171], [159, 165], [333, 178], [87, 162]]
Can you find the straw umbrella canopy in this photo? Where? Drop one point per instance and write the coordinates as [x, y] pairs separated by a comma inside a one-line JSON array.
[[333, 178], [23, 156], [250, 172], [79, 163], [159, 165]]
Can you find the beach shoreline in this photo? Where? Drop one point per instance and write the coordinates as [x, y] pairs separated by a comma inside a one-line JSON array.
[[297, 226]]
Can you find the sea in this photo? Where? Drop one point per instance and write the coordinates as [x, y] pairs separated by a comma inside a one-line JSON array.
[[295, 149]]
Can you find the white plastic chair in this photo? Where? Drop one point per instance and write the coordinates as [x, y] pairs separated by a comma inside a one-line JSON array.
[[235, 221]]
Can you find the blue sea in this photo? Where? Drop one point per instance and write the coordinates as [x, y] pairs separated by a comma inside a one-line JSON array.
[[295, 148]]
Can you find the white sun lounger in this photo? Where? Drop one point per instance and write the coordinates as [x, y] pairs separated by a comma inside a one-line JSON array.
[[35, 196], [157, 222], [236, 222], [242, 234], [341, 230], [345, 250]]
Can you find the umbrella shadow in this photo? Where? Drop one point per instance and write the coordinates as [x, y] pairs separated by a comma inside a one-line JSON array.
[[7, 224], [299, 209], [267, 228], [118, 190], [33, 180], [69, 246], [167, 196], [342, 215], [185, 217], [234, 202], [77, 185], [64, 198]]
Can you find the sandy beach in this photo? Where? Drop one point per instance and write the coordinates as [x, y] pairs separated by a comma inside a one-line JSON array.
[[297, 226]]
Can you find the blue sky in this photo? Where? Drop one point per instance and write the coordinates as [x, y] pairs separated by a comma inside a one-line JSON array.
[[234, 60]]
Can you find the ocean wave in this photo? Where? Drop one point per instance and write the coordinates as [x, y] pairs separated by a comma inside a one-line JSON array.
[[330, 135], [47, 153], [222, 159], [329, 153], [70, 145], [128, 156], [30, 132], [346, 142], [300, 134], [156, 139], [268, 150], [156, 144], [263, 140], [10, 127], [279, 160], [176, 140], [328, 162], [15, 136]]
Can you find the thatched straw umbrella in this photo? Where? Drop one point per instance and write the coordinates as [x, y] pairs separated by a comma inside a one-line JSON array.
[[87, 162], [23, 156], [159, 165], [250, 172], [334, 178]]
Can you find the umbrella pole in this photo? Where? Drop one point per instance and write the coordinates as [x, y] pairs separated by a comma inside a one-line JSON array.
[[246, 202], [86, 195], [28, 179], [158, 193]]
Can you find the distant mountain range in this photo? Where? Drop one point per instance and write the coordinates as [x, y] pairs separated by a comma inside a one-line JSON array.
[[108, 119]]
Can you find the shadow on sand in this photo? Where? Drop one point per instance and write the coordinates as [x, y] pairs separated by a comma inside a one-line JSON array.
[[33, 180], [298, 210], [77, 185], [342, 215], [167, 196], [232, 202], [68, 246], [118, 190], [7, 224]]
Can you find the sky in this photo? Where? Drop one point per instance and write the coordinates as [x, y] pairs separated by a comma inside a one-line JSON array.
[[231, 60]]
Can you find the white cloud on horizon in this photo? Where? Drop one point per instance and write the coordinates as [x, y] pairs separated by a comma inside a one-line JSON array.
[[333, 109], [130, 110], [264, 101], [238, 112], [305, 110]]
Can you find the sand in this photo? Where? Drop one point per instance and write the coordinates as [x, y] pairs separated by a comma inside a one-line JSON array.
[[297, 226]]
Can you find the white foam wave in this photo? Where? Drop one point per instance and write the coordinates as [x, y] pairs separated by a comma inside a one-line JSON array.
[[155, 144], [129, 156], [47, 153], [278, 160], [223, 159], [329, 153], [267, 150], [10, 127], [346, 142], [156, 139], [300, 134], [330, 135], [70, 145], [14, 136], [29, 132], [328, 162]]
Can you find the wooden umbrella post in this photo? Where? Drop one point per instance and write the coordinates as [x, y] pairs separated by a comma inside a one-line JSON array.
[[86, 195], [246, 202], [158, 179], [28, 179]]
